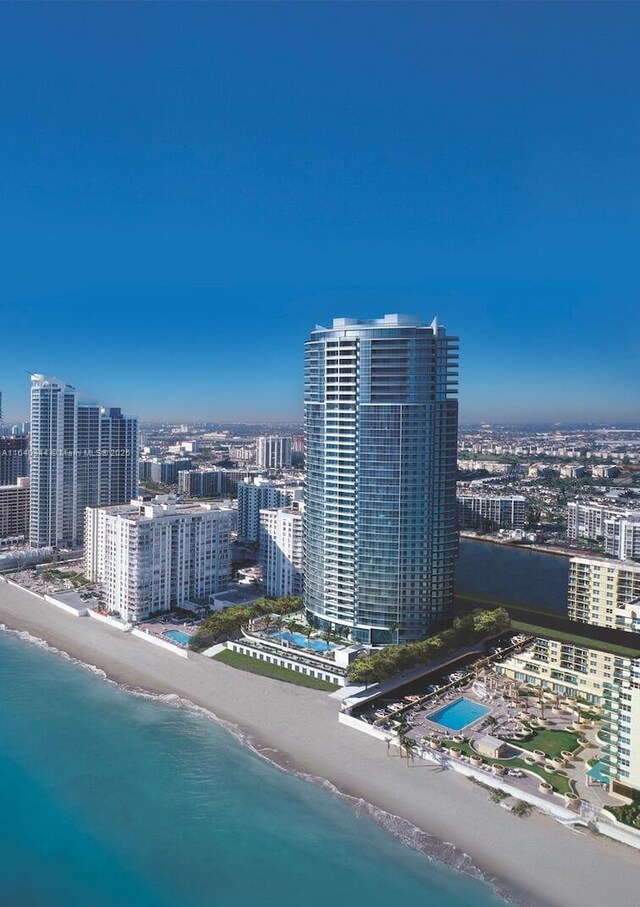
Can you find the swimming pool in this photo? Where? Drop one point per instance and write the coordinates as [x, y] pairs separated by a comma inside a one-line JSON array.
[[459, 714], [598, 773], [316, 645], [178, 636]]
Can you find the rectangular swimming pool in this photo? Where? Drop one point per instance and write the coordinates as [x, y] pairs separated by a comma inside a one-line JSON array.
[[316, 645], [459, 714], [178, 636]]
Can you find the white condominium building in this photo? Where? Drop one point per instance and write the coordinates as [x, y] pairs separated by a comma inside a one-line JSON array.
[[604, 593], [490, 512], [274, 452], [253, 496], [53, 512], [622, 537], [150, 556], [281, 550], [586, 519]]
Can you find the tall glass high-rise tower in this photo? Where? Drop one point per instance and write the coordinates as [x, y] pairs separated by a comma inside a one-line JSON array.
[[381, 417], [81, 456]]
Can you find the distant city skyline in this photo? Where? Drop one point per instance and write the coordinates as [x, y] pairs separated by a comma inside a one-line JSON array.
[[177, 220]]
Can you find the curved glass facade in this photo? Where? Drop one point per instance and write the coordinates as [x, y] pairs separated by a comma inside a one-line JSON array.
[[381, 445]]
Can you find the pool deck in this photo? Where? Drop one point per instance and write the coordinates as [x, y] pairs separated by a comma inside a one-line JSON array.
[[473, 709], [506, 715], [160, 628]]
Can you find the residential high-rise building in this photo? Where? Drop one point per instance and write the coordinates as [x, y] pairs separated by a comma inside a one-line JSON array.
[[163, 472], [490, 512], [586, 519], [232, 478], [273, 452], [152, 556], [622, 536], [605, 593], [53, 512], [81, 456], [281, 550], [14, 511], [200, 483], [14, 459], [118, 456], [242, 454], [87, 462], [253, 496], [381, 418]]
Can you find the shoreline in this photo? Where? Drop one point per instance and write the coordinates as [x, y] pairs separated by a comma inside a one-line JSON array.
[[297, 729], [529, 546]]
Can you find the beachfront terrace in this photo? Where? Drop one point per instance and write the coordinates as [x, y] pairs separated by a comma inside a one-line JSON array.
[[540, 741], [293, 644], [281, 655], [177, 628]]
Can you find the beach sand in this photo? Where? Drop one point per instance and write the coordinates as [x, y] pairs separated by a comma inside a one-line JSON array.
[[541, 861]]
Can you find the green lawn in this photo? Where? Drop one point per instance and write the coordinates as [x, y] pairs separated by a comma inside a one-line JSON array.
[[550, 742], [246, 663], [560, 783]]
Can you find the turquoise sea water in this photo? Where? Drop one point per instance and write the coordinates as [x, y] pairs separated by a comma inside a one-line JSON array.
[[109, 799]]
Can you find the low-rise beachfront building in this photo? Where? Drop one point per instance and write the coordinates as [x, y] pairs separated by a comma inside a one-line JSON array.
[[604, 593], [149, 556], [328, 662]]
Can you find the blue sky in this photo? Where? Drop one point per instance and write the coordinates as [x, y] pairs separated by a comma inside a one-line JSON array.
[[186, 189]]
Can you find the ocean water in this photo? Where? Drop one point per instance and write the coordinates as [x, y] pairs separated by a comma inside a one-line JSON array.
[[109, 799]]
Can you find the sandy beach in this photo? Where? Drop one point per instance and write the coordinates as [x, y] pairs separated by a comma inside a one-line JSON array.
[[298, 728]]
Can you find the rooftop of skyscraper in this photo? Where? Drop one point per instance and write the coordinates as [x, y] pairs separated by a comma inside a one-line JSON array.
[[391, 320]]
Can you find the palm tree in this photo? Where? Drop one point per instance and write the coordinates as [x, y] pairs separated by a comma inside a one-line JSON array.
[[295, 626], [406, 746], [268, 623], [308, 631], [328, 636], [541, 701], [279, 622]]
